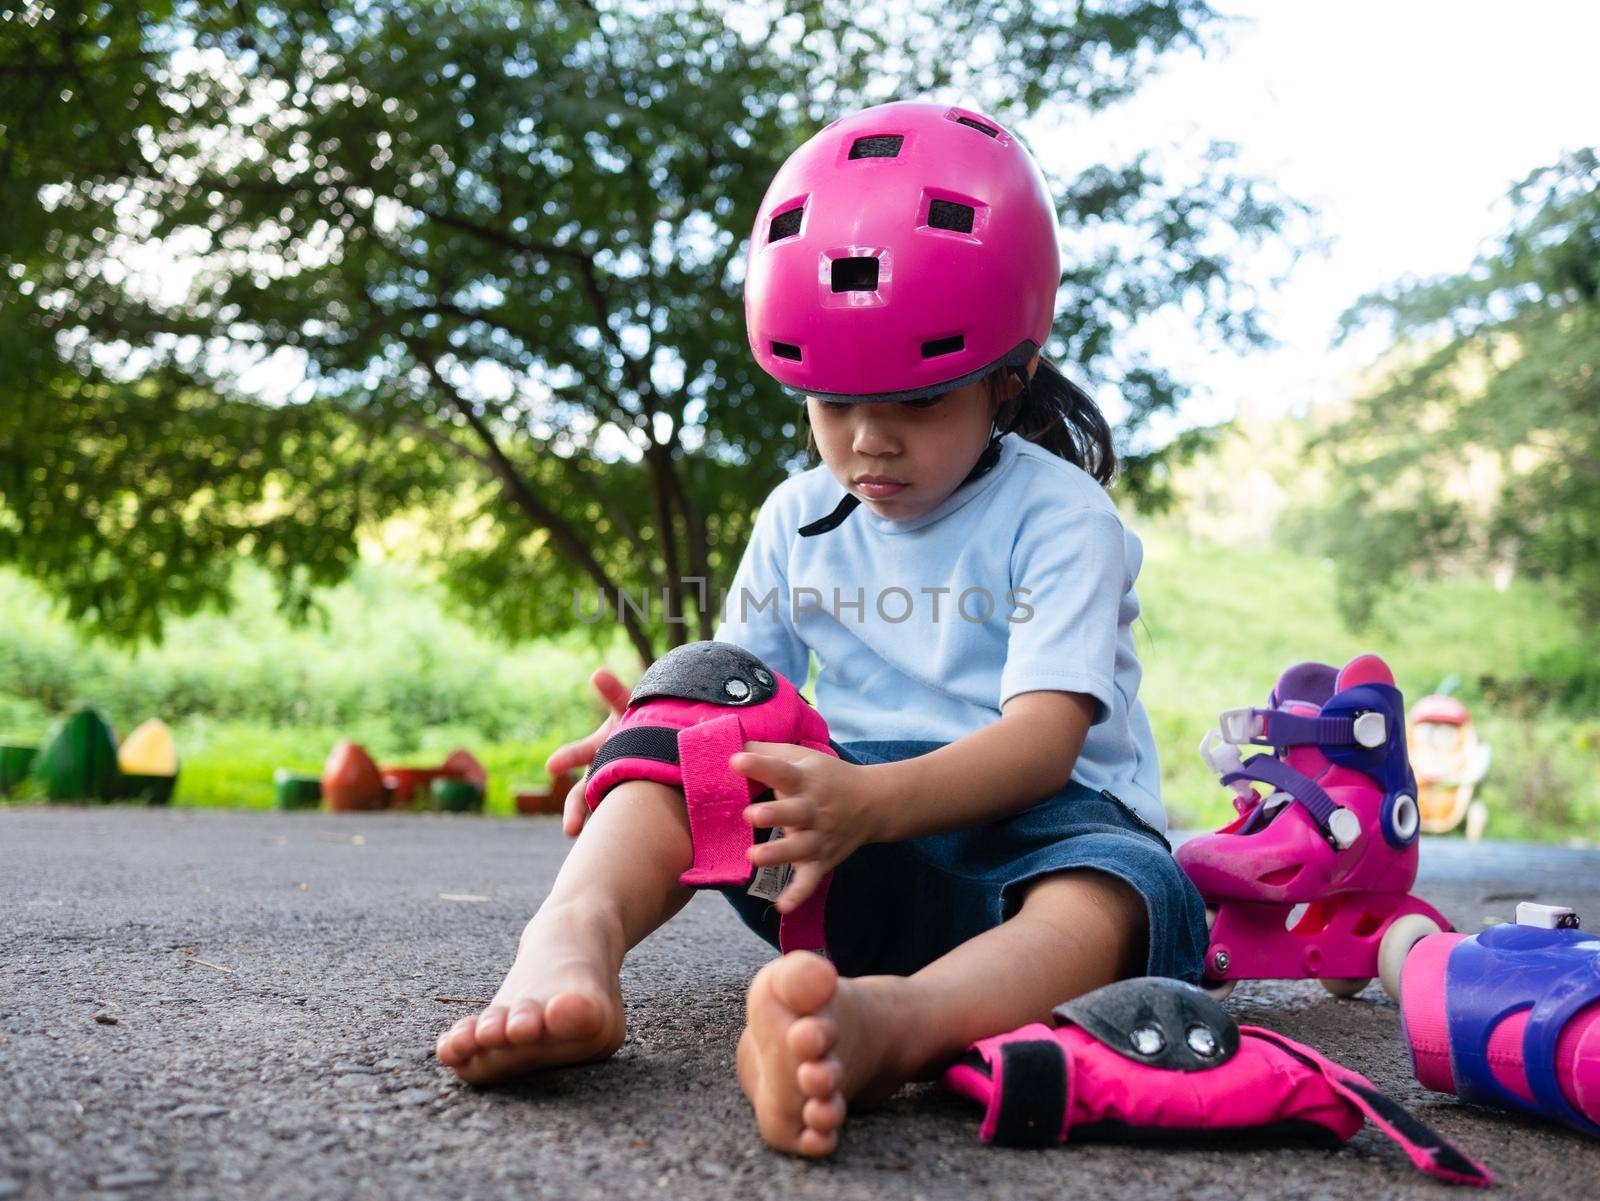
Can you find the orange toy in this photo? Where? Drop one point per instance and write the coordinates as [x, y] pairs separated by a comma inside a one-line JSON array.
[[549, 799], [350, 779], [1449, 762]]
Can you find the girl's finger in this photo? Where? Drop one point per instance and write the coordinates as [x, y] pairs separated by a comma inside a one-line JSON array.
[[794, 810], [786, 751], [575, 812], [791, 848], [612, 690], [575, 754], [774, 773], [802, 884]]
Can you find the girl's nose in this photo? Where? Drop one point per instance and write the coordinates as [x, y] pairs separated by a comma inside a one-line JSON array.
[[874, 435]]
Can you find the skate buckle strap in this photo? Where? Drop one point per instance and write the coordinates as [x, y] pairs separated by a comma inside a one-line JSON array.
[[1279, 727], [1423, 1146], [1339, 826]]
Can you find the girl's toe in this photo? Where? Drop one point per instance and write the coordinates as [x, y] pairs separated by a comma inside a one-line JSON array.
[[491, 1031], [817, 1143], [811, 1037], [824, 1116], [445, 1051], [820, 1077], [524, 1023]]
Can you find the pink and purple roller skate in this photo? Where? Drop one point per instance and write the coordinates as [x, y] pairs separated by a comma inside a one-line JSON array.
[[1509, 1016], [1313, 879]]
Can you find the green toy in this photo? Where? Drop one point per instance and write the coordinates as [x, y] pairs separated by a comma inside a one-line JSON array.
[[16, 761], [79, 760], [294, 790], [455, 795]]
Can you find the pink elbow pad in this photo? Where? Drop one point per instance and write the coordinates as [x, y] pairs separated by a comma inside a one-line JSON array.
[[690, 713], [1152, 1057]]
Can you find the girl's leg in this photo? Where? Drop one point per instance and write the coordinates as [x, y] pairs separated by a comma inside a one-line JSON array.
[[561, 1001], [812, 1040]]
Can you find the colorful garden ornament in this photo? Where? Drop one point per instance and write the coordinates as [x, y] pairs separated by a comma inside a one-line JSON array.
[[148, 760], [16, 764], [1449, 762], [351, 780], [293, 790], [79, 760], [409, 784]]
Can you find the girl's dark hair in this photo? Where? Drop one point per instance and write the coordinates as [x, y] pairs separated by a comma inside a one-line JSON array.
[[1061, 417]]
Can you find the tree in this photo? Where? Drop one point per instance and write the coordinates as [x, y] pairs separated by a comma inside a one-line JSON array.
[[506, 238], [1501, 364]]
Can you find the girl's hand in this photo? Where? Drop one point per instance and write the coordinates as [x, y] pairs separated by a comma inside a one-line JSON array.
[[822, 804], [581, 753]]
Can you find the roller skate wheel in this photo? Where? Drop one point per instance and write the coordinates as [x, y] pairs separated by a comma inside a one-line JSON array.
[[1344, 988], [1403, 933]]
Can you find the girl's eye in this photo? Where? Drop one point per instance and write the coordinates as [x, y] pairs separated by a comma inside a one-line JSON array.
[[922, 402], [833, 406]]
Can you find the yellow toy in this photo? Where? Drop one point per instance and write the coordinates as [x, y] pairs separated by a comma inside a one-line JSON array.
[[1449, 762]]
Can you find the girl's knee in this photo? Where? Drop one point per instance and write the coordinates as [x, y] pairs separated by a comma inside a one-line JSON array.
[[1087, 904]]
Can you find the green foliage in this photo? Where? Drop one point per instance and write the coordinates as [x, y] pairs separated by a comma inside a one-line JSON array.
[[508, 234], [1497, 378], [249, 693]]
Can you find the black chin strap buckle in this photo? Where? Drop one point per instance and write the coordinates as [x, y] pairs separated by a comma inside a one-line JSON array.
[[833, 520], [985, 464]]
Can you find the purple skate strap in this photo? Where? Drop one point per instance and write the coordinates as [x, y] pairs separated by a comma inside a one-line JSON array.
[[1421, 1143], [1269, 770], [1279, 727]]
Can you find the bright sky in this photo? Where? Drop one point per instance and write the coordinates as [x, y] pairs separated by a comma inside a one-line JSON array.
[[1404, 123]]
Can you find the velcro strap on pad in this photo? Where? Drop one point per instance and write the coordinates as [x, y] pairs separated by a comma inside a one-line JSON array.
[[1423, 1146], [716, 797], [1028, 1107], [637, 742]]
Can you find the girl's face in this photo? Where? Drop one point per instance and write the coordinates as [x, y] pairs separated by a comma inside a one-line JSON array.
[[902, 458]]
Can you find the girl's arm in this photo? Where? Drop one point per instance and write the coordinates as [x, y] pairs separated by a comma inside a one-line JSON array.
[[990, 774], [827, 807]]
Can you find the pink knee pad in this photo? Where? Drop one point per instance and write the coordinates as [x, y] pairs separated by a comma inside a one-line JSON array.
[[689, 714], [1147, 1058]]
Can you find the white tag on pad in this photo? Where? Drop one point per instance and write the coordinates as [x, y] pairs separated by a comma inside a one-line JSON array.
[[771, 881]]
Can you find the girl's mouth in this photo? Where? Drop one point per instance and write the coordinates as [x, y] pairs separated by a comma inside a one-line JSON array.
[[878, 487]]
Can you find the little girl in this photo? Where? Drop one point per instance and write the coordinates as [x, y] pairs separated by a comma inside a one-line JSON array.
[[989, 831]]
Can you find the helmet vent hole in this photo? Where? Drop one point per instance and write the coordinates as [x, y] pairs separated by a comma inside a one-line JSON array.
[[881, 145], [939, 346], [855, 275], [786, 350], [979, 126], [947, 214], [785, 225]]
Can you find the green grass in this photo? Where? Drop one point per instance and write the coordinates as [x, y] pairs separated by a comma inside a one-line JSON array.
[[395, 669]]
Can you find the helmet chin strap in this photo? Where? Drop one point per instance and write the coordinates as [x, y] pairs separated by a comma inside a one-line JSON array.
[[985, 464]]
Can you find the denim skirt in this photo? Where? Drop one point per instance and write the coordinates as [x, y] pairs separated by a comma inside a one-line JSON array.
[[893, 908]]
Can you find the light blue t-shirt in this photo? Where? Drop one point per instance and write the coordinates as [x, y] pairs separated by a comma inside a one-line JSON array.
[[1020, 581]]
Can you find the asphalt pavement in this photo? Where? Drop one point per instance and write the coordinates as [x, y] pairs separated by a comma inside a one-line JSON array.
[[199, 1004]]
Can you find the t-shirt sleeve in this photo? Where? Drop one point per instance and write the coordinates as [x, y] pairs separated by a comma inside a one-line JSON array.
[[755, 614], [1069, 575]]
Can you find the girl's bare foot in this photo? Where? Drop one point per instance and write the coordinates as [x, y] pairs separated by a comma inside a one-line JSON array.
[[812, 1042], [561, 1002]]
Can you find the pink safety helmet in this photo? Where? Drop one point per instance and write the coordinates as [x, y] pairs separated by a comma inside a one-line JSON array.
[[905, 249]]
